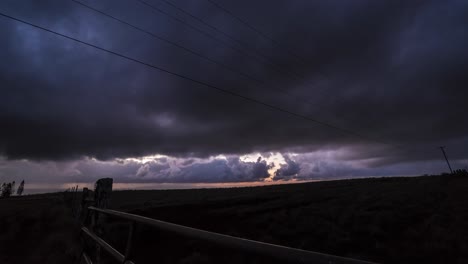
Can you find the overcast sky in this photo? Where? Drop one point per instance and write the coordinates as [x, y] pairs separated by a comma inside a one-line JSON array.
[[393, 72]]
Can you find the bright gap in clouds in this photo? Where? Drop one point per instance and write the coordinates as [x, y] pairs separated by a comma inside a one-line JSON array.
[[274, 158]]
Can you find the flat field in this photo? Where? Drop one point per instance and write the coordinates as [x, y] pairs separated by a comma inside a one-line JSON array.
[[385, 220]]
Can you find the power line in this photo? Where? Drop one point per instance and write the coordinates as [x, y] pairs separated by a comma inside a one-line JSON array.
[[222, 90], [229, 36], [277, 67], [304, 100], [167, 41], [242, 43], [252, 28]]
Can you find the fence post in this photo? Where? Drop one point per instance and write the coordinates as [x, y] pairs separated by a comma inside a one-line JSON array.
[[84, 205], [102, 194], [74, 202]]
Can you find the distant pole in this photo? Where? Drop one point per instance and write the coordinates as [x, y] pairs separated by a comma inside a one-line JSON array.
[[446, 159]]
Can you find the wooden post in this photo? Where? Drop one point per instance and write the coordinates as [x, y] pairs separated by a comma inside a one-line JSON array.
[[85, 193], [84, 205], [102, 195], [74, 202]]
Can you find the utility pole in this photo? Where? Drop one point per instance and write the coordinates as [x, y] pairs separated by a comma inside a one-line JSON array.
[[446, 159]]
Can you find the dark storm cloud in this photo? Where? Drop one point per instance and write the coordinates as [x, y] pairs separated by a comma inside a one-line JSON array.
[[393, 70]]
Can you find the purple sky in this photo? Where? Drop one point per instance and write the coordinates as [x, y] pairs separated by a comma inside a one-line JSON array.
[[392, 71]]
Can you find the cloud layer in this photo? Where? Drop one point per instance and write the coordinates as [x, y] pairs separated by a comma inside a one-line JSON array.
[[221, 171], [392, 70]]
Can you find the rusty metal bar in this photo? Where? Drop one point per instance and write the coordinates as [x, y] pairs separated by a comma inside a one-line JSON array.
[[285, 253], [87, 259], [112, 251]]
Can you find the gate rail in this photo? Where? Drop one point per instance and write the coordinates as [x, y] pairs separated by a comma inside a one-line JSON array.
[[289, 255]]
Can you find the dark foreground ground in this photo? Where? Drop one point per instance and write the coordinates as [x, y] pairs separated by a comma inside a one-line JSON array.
[[387, 220], [37, 229]]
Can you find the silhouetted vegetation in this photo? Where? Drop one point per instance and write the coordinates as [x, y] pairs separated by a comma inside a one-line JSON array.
[[7, 189], [460, 173]]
